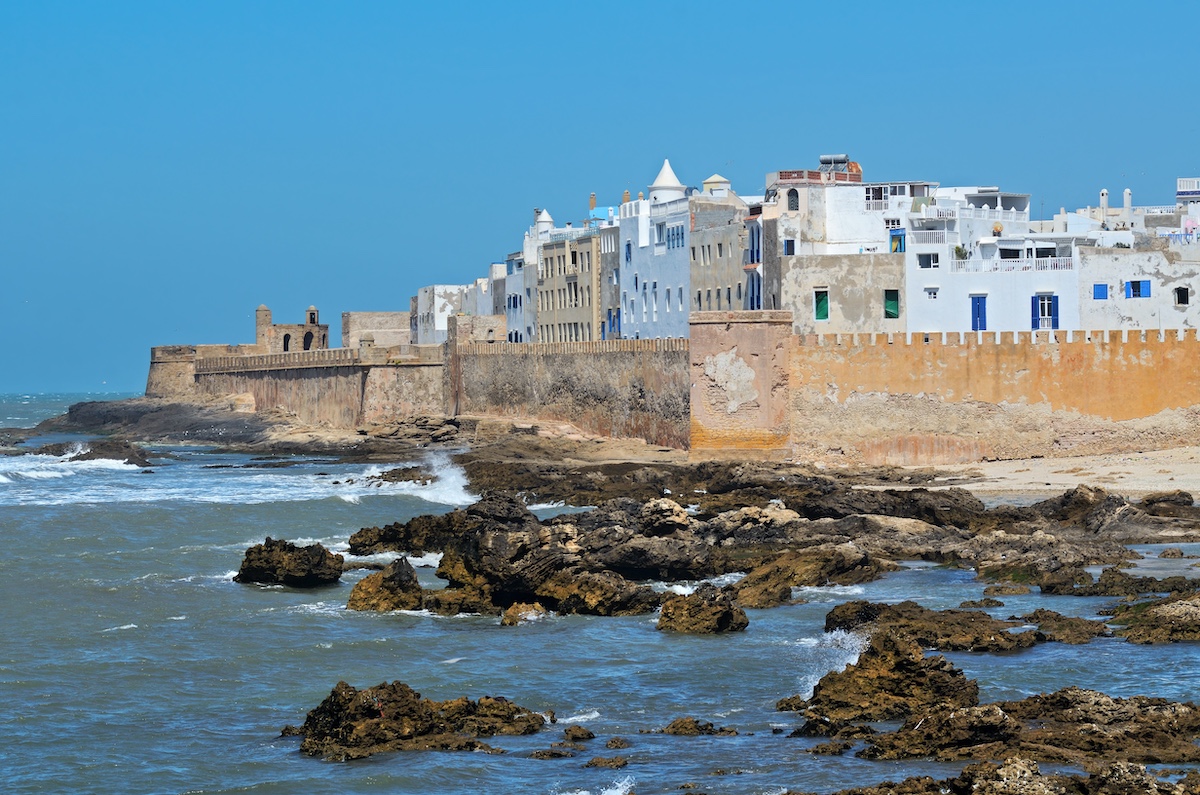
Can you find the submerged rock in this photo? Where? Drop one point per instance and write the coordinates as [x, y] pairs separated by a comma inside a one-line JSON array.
[[707, 610], [351, 724], [522, 613], [691, 727], [275, 562]]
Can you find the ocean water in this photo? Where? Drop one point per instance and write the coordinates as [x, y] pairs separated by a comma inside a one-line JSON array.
[[131, 662]]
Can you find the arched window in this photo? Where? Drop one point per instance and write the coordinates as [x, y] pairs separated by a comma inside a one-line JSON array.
[[308, 340], [793, 200], [287, 342]]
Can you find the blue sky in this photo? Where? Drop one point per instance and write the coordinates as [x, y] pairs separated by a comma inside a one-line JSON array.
[[166, 167]]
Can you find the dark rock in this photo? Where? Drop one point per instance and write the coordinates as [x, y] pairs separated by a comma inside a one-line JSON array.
[[705, 611], [690, 727], [577, 734], [610, 762], [522, 613], [892, 679], [97, 449], [831, 748], [351, 724], [842, 564], [963, 733], [284, 563], [1006, 589], [944, 630], [1169, 620], [617, 743], [1114, 582], [987, 601], [552, 753], [1069, 726], [1056, 627], [394, 588], [1172, 553]]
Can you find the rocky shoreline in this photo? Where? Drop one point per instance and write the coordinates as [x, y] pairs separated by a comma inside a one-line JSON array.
[[768, 530]]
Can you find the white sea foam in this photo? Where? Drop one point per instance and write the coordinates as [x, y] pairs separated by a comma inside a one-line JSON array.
[[546, 506], [176, 618], [452, 660], [623, 786], [426, 559], [582, 717], [120, 628]]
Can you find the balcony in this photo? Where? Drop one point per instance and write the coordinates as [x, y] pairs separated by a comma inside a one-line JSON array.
[[985, 214], [1006, 265], [928, 236], [936, 213]]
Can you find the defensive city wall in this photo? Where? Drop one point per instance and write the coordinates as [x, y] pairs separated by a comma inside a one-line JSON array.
[[758, 390], [745, 385]]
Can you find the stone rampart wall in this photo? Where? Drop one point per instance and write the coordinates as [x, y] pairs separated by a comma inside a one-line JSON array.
[[629, 388], [941, 398]]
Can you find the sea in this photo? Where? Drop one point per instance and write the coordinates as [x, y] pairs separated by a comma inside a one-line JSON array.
[[130, 662]]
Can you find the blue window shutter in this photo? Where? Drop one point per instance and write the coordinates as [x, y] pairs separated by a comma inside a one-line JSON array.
[[1146, 289], [1129, 289], [1054, 311], [1034, 302]]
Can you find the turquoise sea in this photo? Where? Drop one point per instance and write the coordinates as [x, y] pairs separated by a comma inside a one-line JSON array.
[[130, 662]]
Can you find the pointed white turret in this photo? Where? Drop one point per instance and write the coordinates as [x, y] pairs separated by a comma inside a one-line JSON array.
[[542, 222], [667, 186]]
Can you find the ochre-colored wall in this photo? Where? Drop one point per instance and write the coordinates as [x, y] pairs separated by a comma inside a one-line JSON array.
[[875, 399], [739, 383]]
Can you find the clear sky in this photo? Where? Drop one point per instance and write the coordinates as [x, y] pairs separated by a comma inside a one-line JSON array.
[[166, 167]]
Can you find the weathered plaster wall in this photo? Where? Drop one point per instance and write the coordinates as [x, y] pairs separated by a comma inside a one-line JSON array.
[[895, 399], [739, 383], [330, 396], [1115, 267], [388, 328], [855, 285], [874, 402], [626, 388]]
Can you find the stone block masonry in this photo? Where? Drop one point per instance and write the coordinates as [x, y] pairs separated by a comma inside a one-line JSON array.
[[630, 388]]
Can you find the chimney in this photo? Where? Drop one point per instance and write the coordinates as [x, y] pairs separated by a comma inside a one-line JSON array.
[[625, 197], [592, 202]]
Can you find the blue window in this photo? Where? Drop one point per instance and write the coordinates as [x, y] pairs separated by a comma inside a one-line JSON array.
[[1138, 289], [628, 251], [1045, 312], [979, 313], [789, 247], [1100, 292]]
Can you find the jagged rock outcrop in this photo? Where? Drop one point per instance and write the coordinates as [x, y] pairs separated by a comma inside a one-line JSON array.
[[394, 588], [707, 610], [1114, 582], [945, 630], [771, 583], [1069, 726], [1167, 620], [276, 562], [97, 449], [351, 723], [891, 679], [1021, 776]]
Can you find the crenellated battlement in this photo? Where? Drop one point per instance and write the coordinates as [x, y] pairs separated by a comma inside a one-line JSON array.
[[1000, 338]]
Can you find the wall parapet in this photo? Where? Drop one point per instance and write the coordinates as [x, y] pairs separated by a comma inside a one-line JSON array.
[[997, 338], [671, 345], [330, 357]]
